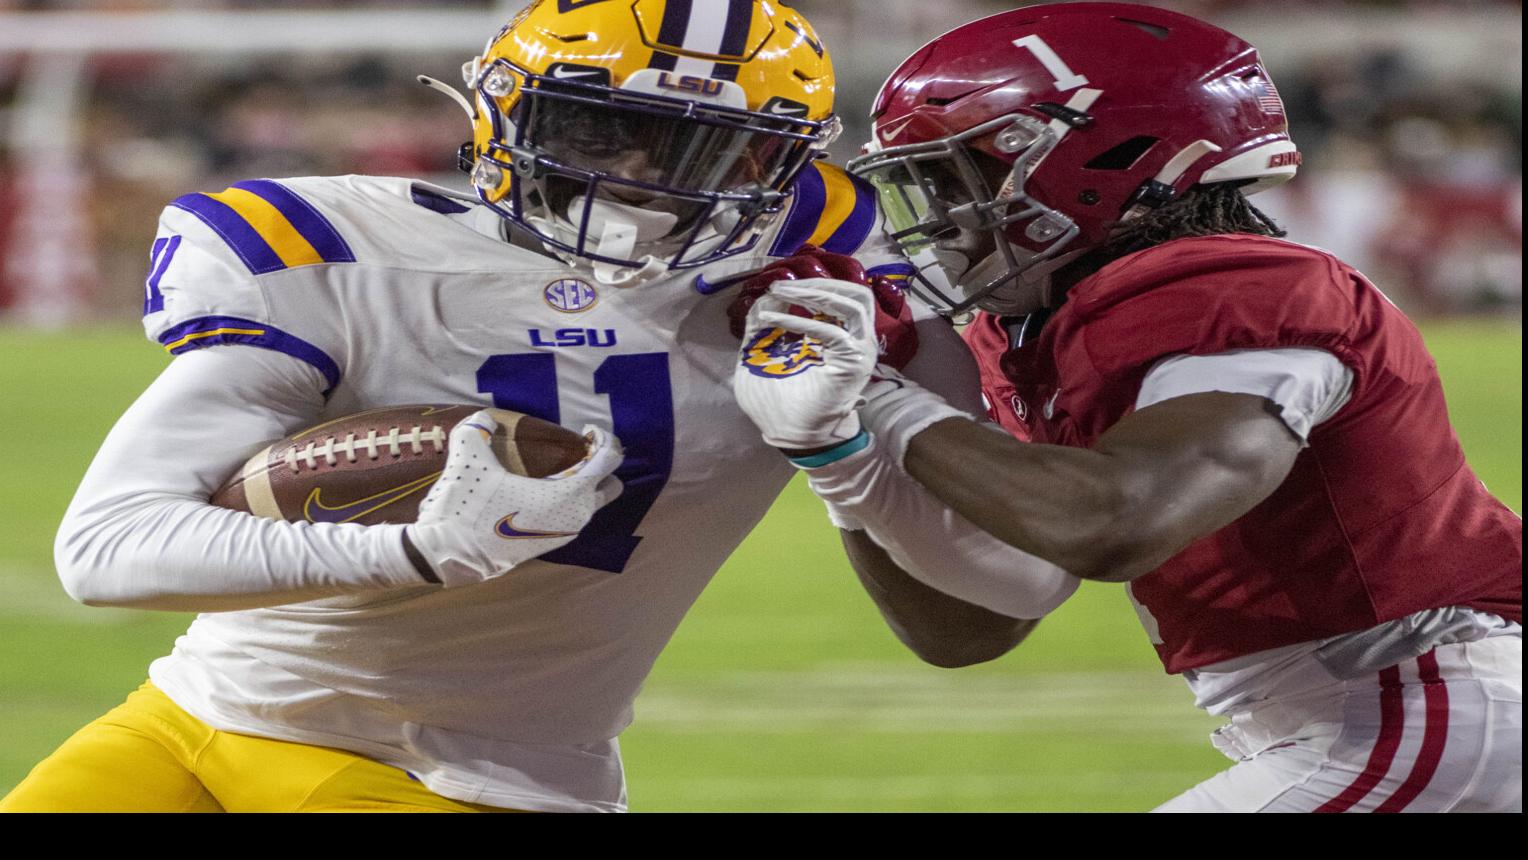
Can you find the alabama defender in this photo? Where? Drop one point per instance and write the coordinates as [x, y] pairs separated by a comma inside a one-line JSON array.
[[1242, 429]]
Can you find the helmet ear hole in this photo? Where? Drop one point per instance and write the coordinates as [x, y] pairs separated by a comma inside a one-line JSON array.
[[1156, 31], [1122, 156]]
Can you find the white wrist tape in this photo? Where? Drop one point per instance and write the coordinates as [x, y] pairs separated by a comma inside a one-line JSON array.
[[932, 543]]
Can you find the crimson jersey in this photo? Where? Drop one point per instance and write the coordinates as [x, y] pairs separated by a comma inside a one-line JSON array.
[[1379, 518]]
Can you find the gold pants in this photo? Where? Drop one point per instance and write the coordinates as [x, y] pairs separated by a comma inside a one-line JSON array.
[[148, 755]]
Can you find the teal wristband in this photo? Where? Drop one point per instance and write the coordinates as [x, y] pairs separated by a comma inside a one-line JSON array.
[[843, 449]]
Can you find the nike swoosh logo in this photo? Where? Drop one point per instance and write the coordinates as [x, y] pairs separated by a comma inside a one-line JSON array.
[[315, 511], [890, 132], [506, 529], [573, 73], [786, 110], [1050, 405]]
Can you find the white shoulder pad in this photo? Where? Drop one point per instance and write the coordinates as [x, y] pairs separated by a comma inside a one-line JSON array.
[[212, 253], [402, 223]]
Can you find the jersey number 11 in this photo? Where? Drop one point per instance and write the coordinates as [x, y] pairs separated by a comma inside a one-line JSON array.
[[642, 414]]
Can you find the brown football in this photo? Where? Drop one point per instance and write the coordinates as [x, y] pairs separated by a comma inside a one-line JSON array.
[[376, 466]]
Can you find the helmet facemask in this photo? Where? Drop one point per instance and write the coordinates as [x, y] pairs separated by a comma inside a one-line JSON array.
[[936, 193], [632, 179], [1144, 104]]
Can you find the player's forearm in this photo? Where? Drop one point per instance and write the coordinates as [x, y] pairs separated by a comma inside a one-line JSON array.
[[933, 544], [1161, 478], [1064, 505], [942, 630], [185, 555], [139, 531]]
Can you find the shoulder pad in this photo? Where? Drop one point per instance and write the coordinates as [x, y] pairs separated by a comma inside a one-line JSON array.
[[830, 209], [268, 226], [203, 288], [1260, 270], [1213, 294]]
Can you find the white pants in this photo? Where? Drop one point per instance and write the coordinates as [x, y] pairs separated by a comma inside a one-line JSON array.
[[1441, 733]]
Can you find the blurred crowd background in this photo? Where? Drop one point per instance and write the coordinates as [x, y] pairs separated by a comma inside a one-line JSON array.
[[1409, 115]]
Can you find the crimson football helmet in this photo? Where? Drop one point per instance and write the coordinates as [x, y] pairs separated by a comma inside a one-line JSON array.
[[1008, 146]]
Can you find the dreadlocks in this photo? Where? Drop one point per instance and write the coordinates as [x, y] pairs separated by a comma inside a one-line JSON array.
[[1209, 210]]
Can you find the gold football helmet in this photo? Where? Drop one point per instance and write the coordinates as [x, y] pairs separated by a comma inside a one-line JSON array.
[[654, 131]]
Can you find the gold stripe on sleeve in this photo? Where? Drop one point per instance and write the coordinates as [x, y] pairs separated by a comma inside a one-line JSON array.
[[273, 227]]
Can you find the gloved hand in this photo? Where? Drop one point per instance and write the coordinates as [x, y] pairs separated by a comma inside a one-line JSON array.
[[896, 337], [479, 519], [799, 378]]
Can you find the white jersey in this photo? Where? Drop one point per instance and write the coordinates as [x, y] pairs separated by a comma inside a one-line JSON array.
[[509, 692]]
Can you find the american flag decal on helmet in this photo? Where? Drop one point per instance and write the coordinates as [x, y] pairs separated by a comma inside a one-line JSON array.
[[1268, 97]]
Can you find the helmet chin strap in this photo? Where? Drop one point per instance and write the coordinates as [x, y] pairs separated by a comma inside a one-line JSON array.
[[1026, 292], [615, 230]]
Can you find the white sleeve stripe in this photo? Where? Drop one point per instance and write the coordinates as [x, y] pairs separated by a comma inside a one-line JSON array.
[[1308, 385]]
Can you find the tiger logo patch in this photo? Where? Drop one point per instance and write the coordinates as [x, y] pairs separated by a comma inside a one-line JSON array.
[[778, 353]]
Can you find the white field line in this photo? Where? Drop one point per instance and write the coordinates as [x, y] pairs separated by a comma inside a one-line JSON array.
[[32, 591], [974, 791], [893, 700]]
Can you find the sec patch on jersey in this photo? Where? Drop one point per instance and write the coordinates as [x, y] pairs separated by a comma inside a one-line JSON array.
[[375, 467]]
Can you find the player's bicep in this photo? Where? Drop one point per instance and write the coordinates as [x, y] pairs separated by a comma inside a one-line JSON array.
[[206, 413], [139, 532], [205, 289], [1191, 465]]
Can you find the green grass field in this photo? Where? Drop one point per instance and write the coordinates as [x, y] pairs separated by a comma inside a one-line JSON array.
[[781, 691]]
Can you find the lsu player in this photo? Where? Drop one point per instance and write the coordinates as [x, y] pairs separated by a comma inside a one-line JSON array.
[[630, 159], [1242, 429]]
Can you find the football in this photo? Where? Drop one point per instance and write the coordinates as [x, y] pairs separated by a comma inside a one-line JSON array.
[[376, 466]]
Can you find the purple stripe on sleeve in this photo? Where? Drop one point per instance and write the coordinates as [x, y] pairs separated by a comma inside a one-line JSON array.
[[309, 221], [894, 271], [159, 260], [270, 338], [436, 202], [811, 197], [856, 228], [245, 241]]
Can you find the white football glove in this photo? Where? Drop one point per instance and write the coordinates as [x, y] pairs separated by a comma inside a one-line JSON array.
[[480, 520], [799, 379]]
